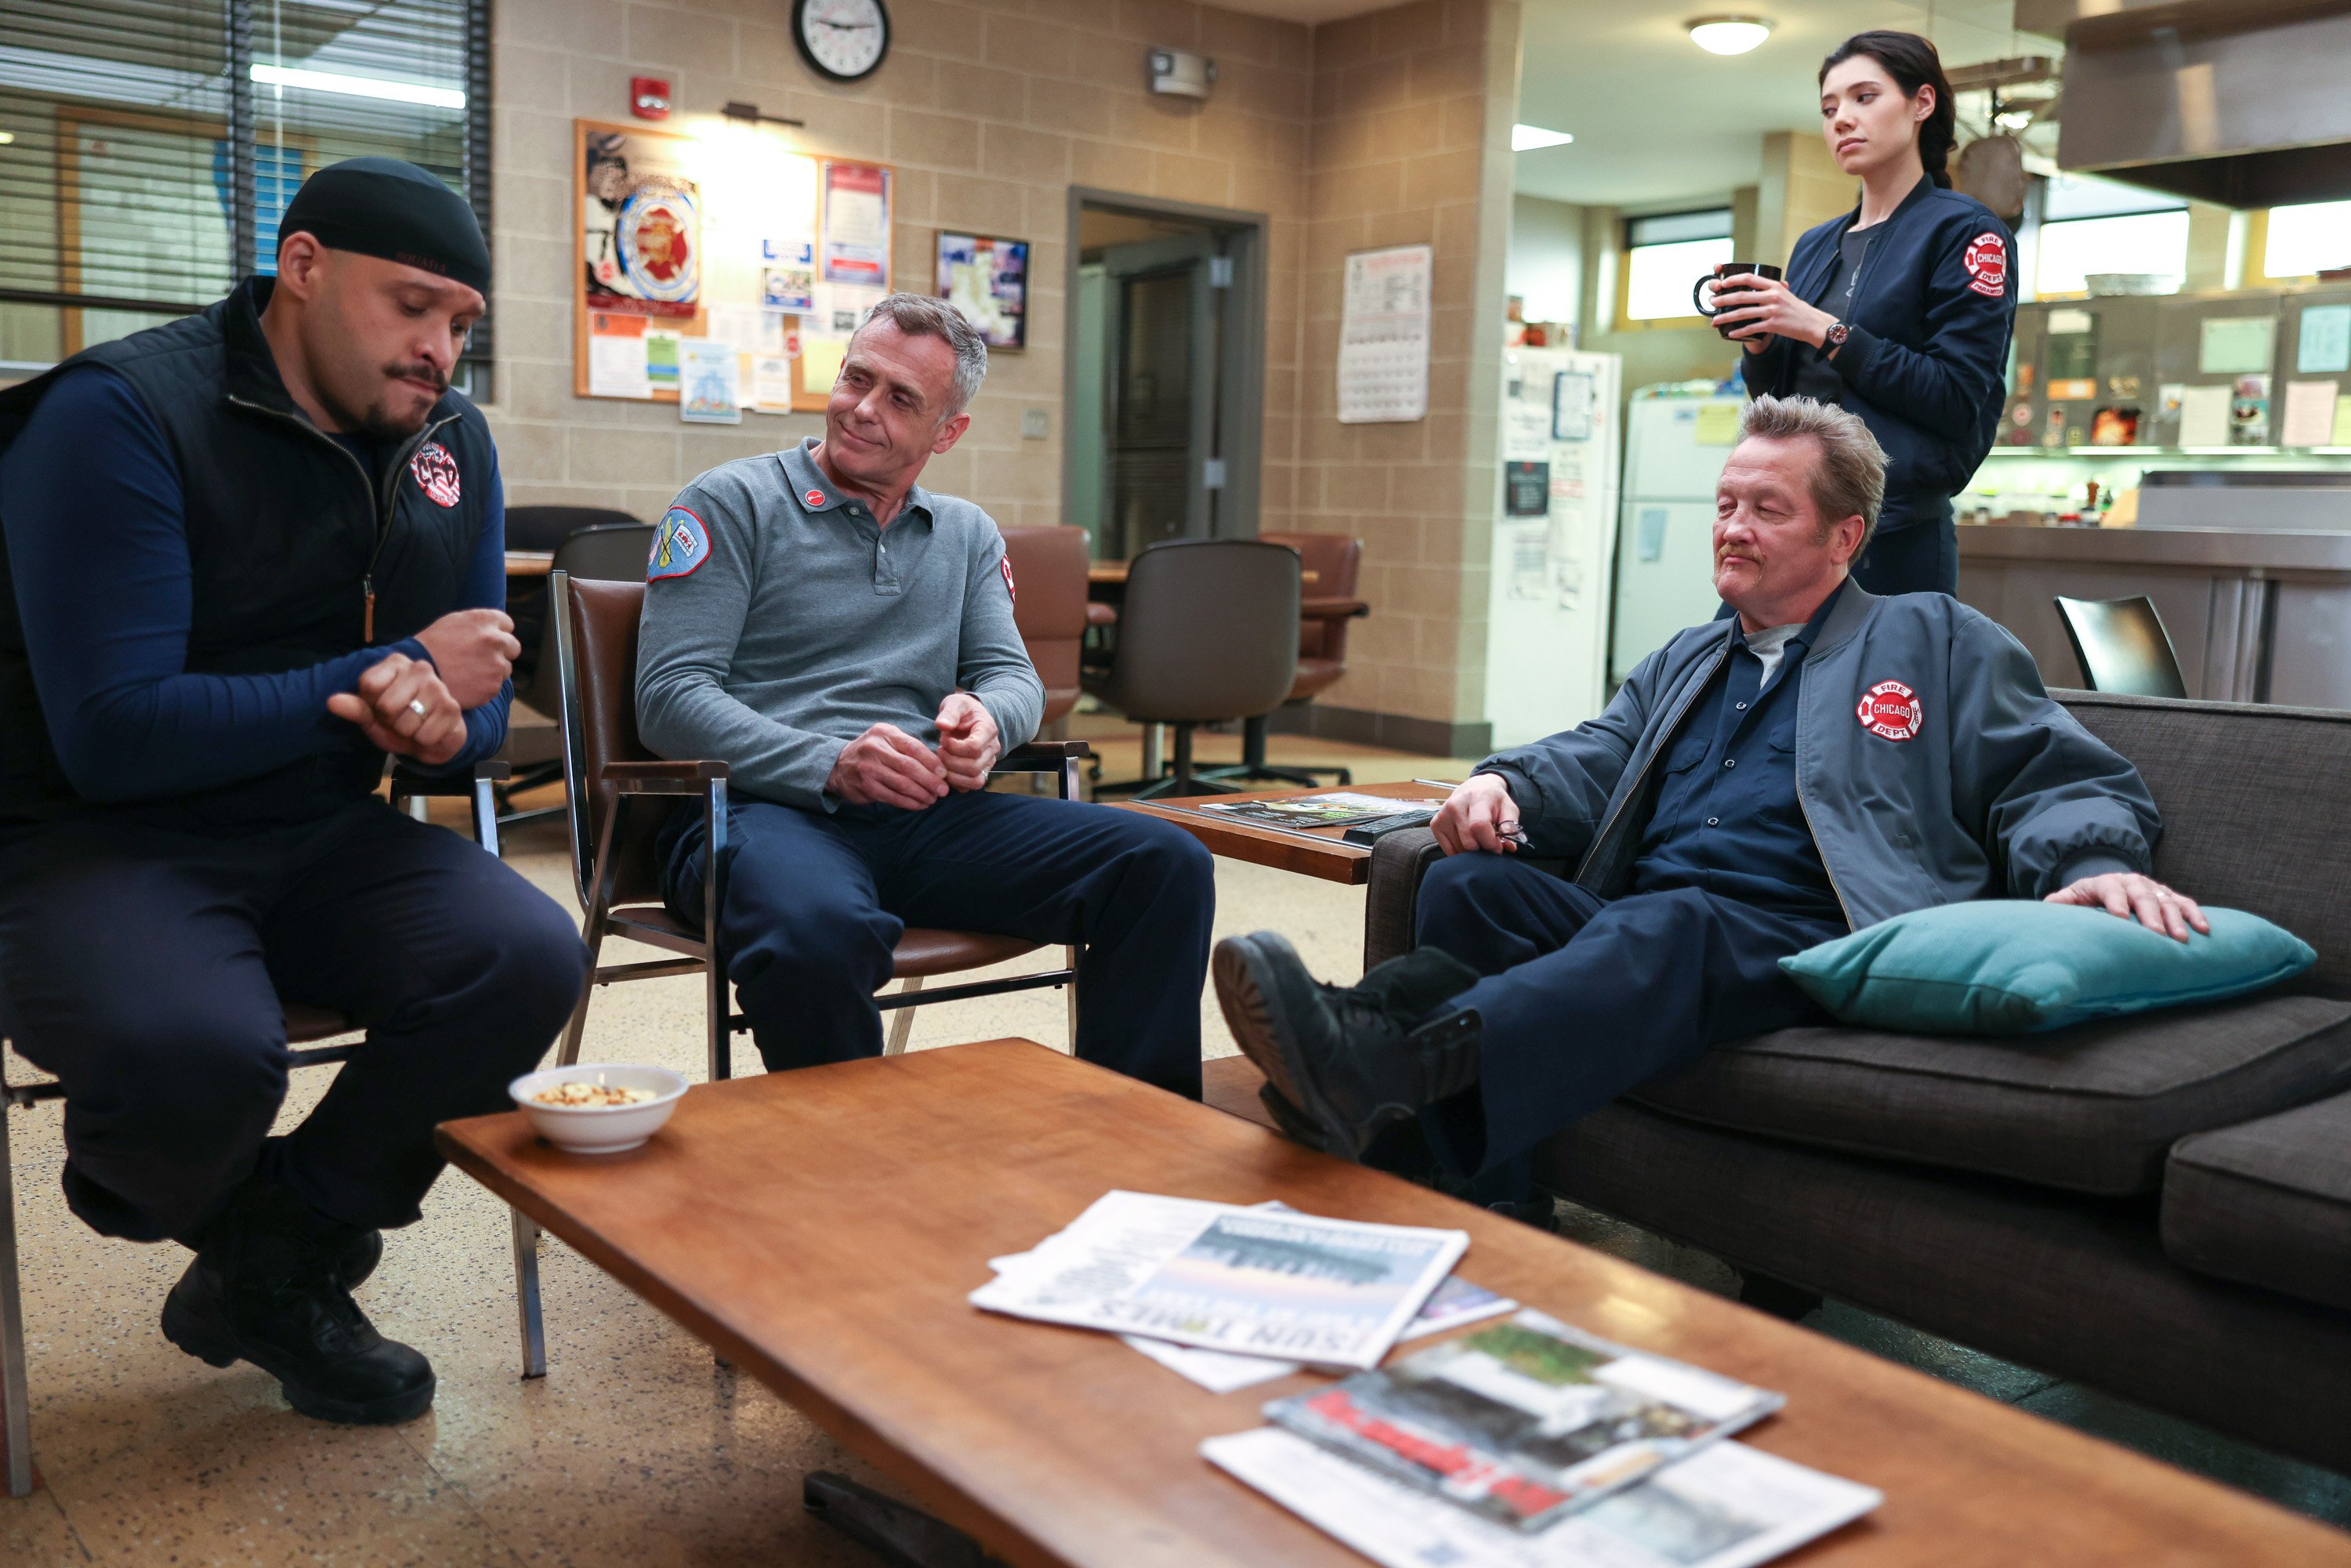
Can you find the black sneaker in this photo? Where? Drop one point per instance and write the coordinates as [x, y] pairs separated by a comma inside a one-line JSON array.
[[1342, 1063], [268, 1288]]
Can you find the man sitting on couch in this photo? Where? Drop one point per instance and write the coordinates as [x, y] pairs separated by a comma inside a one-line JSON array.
[[1820, 761]]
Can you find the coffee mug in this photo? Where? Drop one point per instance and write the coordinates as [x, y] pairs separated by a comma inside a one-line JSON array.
[[1699, 297]]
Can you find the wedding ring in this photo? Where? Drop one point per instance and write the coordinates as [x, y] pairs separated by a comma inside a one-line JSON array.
[[416, 707]]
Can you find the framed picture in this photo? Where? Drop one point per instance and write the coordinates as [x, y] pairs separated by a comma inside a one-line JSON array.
[[987, 280]]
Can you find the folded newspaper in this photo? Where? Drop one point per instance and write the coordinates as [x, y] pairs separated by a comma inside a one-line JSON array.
[[1338, 810], [1523, 1421], [1334, 1292], [1725, 1506]]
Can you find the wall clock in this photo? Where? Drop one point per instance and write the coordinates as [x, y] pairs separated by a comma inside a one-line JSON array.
[[842, 40]]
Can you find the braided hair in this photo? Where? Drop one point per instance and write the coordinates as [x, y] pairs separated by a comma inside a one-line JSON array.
[[1913, 63]]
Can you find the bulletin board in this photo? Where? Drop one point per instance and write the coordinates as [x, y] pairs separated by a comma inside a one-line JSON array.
[[681, 243]]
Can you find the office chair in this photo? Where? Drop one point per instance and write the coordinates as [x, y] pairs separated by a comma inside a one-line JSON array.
[[1208, 632], [303, 1025], [1330, 564], [2122, 646], [606, 551]]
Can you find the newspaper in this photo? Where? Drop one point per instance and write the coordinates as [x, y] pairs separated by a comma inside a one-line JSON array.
[[1330, 1292], [1726, 1506], [1526, 1420], [1336, 810]]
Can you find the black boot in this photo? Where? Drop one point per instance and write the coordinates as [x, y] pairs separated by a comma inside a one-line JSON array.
[[268, 1287], [1343, 1063]]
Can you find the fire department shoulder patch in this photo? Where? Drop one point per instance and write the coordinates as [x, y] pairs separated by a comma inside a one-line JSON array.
[[1987, 262], [1891, 710], [1004, 565], [680, 545]]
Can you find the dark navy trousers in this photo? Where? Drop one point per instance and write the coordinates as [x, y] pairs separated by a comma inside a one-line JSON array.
[[144, 967], [1584, 998], [814, 904]]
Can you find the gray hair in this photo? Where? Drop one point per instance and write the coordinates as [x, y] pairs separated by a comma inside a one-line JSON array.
[[1850, 478], [921, 316]]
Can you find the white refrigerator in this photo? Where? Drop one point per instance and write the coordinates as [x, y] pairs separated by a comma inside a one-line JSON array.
[[1554, 535], [1675, 446]]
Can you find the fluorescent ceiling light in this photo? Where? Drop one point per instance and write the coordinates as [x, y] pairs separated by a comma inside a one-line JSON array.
[[1527, 138], [1728, 34], [360, 87]]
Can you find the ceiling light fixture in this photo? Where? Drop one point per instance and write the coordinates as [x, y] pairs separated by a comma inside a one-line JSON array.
[[360, 87], [1527, 138], [1728, 35]]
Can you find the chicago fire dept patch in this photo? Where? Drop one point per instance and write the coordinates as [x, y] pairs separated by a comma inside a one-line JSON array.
[[1987, 261], [437, 471], [680, 545], [1004, 565], [1891, 710]]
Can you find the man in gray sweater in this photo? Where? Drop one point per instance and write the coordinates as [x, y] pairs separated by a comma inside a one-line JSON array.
[[843, 641]]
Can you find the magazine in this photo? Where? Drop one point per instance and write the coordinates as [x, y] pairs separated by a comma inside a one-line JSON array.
[[1456, 1301], [1523, 1421], [1339, 809], [1725, 1506], [1330, 1292]]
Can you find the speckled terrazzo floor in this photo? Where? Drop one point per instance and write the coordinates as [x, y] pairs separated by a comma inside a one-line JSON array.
[[635, 1450]]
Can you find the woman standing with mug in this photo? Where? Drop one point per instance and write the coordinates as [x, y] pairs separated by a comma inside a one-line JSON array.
[[1900, 311]]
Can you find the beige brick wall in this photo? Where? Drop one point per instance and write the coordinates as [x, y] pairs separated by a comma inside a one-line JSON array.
[[990, 111], [1412, 117]]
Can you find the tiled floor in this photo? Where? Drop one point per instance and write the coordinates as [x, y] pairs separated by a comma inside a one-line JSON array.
[[636, 1449]]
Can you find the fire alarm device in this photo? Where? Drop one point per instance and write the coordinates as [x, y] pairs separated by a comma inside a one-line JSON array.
[[649, 97], [1176, 71]]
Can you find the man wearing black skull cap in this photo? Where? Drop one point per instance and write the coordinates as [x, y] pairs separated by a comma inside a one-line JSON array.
[[249, 554]]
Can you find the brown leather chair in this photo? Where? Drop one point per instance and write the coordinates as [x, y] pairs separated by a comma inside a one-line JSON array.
[[606, 551], [621, 793], [1328, 567], [1049, 569]]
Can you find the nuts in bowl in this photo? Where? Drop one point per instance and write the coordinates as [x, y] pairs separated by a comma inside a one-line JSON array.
[[597, 1108]]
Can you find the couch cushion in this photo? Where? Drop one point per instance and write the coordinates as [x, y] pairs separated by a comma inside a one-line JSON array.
[[2093, 1108], [2268, 1202]]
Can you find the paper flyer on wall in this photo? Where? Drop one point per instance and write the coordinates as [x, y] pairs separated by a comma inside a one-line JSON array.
[[1526, 1420], [855, 240], [1384, 335], [616, 356], [1330, 1292], [1726, 1506], [710, 382]]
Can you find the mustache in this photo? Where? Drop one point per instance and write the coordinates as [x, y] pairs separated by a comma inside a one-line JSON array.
[[419, 371]]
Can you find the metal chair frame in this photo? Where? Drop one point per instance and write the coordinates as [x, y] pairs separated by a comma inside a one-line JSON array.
[[15, 1420]]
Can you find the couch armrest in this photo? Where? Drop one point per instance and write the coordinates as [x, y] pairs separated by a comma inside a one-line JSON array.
[[1399, 861]]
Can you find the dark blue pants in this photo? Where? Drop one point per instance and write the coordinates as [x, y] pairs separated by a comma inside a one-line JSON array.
[[1917, 557], [144, 967], [814, 904], [1586, 998]]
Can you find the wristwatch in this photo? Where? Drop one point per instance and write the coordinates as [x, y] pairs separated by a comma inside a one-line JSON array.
[[1833, 339]]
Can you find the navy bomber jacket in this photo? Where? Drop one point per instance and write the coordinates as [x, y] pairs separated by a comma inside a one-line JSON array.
[[1925, 366], [1931, 765]]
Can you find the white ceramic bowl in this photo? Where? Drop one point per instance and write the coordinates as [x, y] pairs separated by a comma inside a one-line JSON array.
[[598, 1129]]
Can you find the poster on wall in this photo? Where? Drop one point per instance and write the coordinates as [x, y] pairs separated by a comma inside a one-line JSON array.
[[987, 280], [639, 252], [855, 238]]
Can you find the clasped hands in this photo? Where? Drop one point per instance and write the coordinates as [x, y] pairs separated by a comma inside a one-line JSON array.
[[1481, 815], [416, 707], [887, 767]]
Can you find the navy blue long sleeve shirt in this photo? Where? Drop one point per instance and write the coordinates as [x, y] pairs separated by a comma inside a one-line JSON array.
[[96, 538]]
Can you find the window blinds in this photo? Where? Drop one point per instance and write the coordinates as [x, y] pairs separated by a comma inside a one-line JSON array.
[[147, 147]]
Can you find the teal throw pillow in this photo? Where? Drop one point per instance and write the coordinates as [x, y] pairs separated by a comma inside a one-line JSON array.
[[1998, 967]]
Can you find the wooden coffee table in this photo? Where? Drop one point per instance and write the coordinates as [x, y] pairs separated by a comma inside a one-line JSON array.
[[821, 1228], [1318, 852]]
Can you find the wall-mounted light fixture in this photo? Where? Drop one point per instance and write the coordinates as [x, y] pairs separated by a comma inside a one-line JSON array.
[[1728, 35], [1179, 71], [749, 113], [1530, 138]]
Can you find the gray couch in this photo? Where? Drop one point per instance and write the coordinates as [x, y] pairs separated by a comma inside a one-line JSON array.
[[2159, 1208]]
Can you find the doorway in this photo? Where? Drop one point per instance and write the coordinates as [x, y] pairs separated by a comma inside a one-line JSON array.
[[1164, 377]]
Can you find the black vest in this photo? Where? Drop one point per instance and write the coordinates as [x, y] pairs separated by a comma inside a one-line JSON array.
[[286, 536]]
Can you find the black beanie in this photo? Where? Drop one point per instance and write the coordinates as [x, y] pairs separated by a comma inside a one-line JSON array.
[[383, 208]]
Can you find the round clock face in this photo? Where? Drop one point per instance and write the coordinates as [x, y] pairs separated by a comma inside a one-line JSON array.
[[844, 39]]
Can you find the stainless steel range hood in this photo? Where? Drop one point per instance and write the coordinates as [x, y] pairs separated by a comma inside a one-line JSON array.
[[2243, 102]]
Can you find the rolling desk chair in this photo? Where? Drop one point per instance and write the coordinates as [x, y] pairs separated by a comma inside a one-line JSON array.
[[1208, 632], [303, 1025], [605, 551], [1331, 564], [2122, 646]]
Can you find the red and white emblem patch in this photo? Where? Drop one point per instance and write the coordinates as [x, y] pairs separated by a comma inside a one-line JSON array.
[[1987, 260], [437, 471], [814, 498], [1891, 710], [1004, 565]]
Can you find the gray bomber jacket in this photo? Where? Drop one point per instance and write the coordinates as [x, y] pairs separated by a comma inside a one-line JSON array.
[[1930, 763]]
